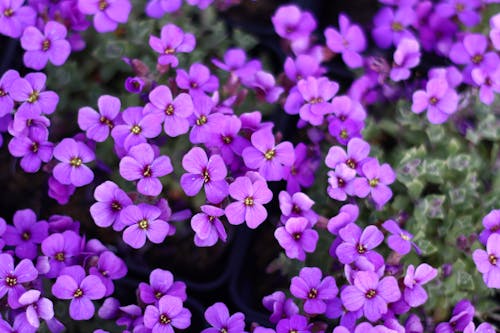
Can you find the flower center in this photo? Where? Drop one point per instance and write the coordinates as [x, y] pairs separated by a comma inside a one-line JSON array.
[[33, 97], [116, 206], [158, 294], [106, 121], [361, 248], [296, 209], [46, 45], [396, 26], [201, 121], [103, 4], [194, 85], [2, 92], [206, 176], [373, 182], [75, 162], [495, 228], [297, 236], [34, 147], [270, 154], [8, 12], [492, 259], [78, 293], [147, 171], [343, 134], [26, 235], [316, 100], [477, 59], [211, 218], [164, 319], [60, 256], [136, 129], [370, 293], [405, 237], [340, 182], [223, 330], [313, 293], [227, 139], [143, 224], [169, 110], [459, 7], [248, 201], [11, 280], [169, 50]]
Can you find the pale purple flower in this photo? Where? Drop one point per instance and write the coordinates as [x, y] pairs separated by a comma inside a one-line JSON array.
[[26, 234], [357, 153], [297, 205], [268, 157], [451, 74], [399, 240], [72, 155], [167, 314], [487, 77], [73, 285], [173, 40], [141, 164], [36, 307], [349, 41], [341, 182], [406, 56], [296, 323], [438, 99], [265, 86], [219, 318], [14, 17], [413, 293], [280, 306], [19, 326], [370, 294], [206, 119], [467, 11], [462, 316], [161, 283], [208, 227], [157, 8], [12, 278], [134, 85], [199, 79], [224, 136], [209, 173], [250, 196], [6, 101], [111, 199], [142, 221], [488, 262], [346, 108], [51, 45], [302, 67], [375, 182], [491, 224], [60, 192], [30, 91], [98, 125], [33, 148], [291, 23], [62, 249], [391, 26], [345, 131], [495, 31], [107, 13], [235, 62], [357, 243], [109, 267], [315, 290], [297, 237], [301, 172], [137, 127], [482, 328], [26, 121], [347, 214]]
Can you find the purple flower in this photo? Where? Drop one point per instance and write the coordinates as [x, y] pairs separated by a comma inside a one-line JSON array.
[[265, 86], [376, 181], [488, 262], [291, 23], [370, 294], [137, 127], [157, 8], [110, 201], [266, 156], [98, 124], [413, 293], [346, 130], [495, 31], [487, 77], [224, 136], [161, 283], [61, 249], [491, 223], [173, 40], [349, 41], [297, 205], [250, 198], [201, 4], [134, 85], [36, 307], [392, 26], [109, 267], [208, 227], [310, 287], [143, 222], [207, 172], [198, 80], [461, 317], [465, 10], [80, 289], [296, 323], [26, 234], [19, 326], [40, 48], [14, 17], [302, 67], [6, 101], [358, 243], [173, 112], [141, 164], [30, 92], [280, 305], [12, 278], [168, 314], [206, 119], [341, 182], [72, 155], [347, 214], [107, 13], [357, 152], [438, 99], [301, 172], [33, 148], [399, 240], [60, 192], [297, 237], [235, 62], [406, 56], [218, 316]]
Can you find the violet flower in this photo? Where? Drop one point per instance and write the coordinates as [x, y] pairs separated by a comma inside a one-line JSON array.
[[19, 326], [110, 201], [12, 278], [167, 314], [157, 8], [487, 77], [438, 99], [217, 315], [62, 250], [14, 17], [36, 307], [265, 86], [291, 23], [413, 293], [142, 221], [296, 323], [376, 181], [406, 56], [297, 205], [347, 214], [73, 285], [201, 4], [71, 170], [161, 283], [198, 80], [495, 31], [26, 234], [370, 294], [266, 156], [109, 267], [280, 306], [98, 125], [30, 92], [345, 131], [33, 148], [6, 101], [392, 26], [209, 173], [462, 316], [491, 224], [357, 153], [141, 164], [208, 227], [206, 119], [250, 196], [465, 10], [488, 262], [236, 63], [40, 48], [134, 85], [224, 136], [297, 237], [107, 13], [301, 172], [341, 182], [302, 67], [358, 243], [399, 240], [173, 40], [349, 41]]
